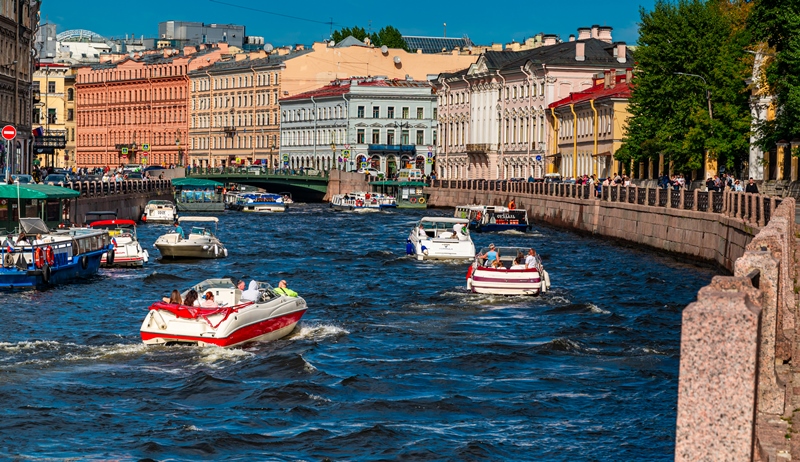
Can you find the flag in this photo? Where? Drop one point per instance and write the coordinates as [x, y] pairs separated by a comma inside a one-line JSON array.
[[38, 132]]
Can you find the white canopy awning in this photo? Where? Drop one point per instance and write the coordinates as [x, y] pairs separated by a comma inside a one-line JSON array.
[[207, 219]]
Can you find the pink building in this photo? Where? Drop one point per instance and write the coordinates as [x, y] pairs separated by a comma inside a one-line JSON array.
[[136, 109], [494, 120]]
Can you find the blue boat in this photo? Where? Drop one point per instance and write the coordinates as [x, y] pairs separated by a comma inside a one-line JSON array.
[[490, 218], [37, 256]]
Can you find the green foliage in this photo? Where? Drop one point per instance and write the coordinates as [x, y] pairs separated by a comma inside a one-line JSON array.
[[777, 22], [389, 36], [669, 112]]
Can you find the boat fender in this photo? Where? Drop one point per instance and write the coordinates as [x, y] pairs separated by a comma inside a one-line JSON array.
[[146, 256], [49, 257], [225, 252], [546, 285], [469, 272], [216, 250], [46, 273], [8, 260], [84, 262], [409, 247], [38, 257], [110, 256]]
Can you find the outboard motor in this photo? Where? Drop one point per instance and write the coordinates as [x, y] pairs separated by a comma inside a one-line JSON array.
[[409, 247]]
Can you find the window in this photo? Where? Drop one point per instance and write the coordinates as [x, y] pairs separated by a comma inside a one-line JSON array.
[[360, 136], [404, 137], [405, 113], [37, 116], [376, 112], [51, 87], [70, 94], [389, 136], [70, 114], [376, 136], [433, 134], [390, 113], [420, 137], [420, 113], [435, 113], [51, 116]]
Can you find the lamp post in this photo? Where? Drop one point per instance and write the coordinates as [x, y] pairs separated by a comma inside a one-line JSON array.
[[7, 153], [708, 91]]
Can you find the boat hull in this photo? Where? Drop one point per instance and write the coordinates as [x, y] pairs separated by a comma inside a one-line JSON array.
[[11, 278], [201, 206], [263, 208], [493, 228], [190, 251], [508, 282]]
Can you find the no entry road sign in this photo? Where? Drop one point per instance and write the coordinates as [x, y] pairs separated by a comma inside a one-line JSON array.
[[9, 132]]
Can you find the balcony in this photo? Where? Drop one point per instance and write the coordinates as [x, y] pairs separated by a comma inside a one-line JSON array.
[[481, 148], [229, 131], [390, 148]]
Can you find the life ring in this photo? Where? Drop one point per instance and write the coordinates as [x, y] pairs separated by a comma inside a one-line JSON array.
[[478, 216], [421, 200], [38, 257], [85, 262], [49, 256], [8, 260], [413, 200], [359, 203], [46, 274]]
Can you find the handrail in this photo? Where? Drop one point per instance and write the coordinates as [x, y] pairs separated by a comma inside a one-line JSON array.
[[107, 188], [255, 171], [751, 208]]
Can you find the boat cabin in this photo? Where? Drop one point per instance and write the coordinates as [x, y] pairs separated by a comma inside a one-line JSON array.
[[493, 218], [408, 194], [198, 195], [49, 203]]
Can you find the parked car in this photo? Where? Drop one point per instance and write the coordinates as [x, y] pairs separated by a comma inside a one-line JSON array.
[[56, 178], [22, 179], [552, 178], [135, 176], [372, 172]]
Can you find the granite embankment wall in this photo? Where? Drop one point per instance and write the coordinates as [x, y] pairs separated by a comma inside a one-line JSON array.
[[340, 182], [739, 386], [707, 226], [127, 198]]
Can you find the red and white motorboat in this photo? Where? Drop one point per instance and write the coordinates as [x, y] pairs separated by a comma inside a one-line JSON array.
[[507, 278], [235, 322], [127, 250]]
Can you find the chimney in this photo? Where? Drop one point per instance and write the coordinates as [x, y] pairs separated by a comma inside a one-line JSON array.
[[622, 52], [628, 75], [612, 79], [580, 51], [571, 37], [595, 31], [584, 33], [549, 39], [607, 76], [604, 34]]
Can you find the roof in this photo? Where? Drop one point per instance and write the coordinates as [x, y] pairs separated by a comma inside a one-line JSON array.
[[204, 219], [195, 182], [350, 41], [338, 88], [621, 89], [435, 44], [36, 191]]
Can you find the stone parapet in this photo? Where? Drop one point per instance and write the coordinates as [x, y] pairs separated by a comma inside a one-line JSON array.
[[340, 182]]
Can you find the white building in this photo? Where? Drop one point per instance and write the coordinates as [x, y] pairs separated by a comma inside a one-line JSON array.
[[360, 122]]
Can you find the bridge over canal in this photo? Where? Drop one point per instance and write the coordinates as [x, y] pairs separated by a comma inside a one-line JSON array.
[[303, 187]]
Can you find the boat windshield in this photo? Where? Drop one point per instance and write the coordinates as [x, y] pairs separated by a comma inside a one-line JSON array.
[[200, 231]]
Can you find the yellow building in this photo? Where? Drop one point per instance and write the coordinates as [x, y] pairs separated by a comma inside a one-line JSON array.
[[590, 125], [51, 115]]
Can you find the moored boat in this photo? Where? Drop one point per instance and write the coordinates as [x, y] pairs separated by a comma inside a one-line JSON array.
[[60, 256], [127, 250], [238, 320], [260, 203], [200, 242], [440, 238], [489, 218], [159, 211], [198, 195], [508, 278], [360, 201]]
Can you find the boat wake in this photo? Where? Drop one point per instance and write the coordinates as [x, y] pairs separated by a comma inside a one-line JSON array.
[[46, 353], [317, 332]]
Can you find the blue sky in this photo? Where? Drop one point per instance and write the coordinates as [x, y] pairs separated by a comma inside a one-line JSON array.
[[306, 22]]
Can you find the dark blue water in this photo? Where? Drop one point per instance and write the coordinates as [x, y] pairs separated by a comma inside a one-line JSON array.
[[394, 360]]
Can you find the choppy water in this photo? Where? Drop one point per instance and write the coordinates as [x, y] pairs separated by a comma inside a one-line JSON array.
[[393, 361]]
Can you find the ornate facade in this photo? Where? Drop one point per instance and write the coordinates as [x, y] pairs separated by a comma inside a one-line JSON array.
[[494, 118], [55, 85], [136, 109], [18, 24]]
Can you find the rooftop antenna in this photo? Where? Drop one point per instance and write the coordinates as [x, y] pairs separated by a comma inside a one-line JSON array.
[[330, 32], [445, 29]]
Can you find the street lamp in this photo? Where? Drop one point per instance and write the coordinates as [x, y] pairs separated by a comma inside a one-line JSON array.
[[708, 91], [6, 152]]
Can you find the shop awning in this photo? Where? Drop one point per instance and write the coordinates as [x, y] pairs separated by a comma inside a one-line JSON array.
[[36, 191]]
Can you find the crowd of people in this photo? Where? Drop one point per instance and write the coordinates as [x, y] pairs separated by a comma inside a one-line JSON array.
[[492, 258]]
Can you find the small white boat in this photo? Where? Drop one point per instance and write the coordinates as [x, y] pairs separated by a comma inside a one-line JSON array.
[[127, 250], [235, 322], [508, 278], [440, 238], [360, 201], [261, 203], [199, 242], [159, 212]]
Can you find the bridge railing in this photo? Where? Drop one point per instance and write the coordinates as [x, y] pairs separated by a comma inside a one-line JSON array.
[[752, 208], [107, 188], [255, 170]]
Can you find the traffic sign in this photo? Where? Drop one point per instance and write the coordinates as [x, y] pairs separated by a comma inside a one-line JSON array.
[[430, 161], [286, 157], [538, 158], [9, 132], [124, 151], [347, 146], [430, 154], [145, 147], [346, 153], [430, 148]]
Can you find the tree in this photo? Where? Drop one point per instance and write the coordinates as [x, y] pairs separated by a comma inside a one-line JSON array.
[[705, 42], [389, 36], [776, 22]]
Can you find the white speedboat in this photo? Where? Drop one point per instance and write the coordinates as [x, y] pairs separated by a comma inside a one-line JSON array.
[[236, 321], [261, 203], [198, 242], [159, 212], [440, 238], [127, 250], [507, 278]]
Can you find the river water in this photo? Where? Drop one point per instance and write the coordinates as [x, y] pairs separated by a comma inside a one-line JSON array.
[[394, 360]]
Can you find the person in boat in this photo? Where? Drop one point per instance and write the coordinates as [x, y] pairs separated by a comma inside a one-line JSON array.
[[191, 299], [512, 205], [179, 231], [421, 232], [531, 260], [22, 239], [491, 257], [209, 301], [519, 263], [251, 294], [283, 290], [175, 298], [38, 240], [460, 231]]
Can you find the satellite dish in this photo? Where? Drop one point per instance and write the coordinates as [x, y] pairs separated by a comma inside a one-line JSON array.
[[397, 60], [384, 49], [268, 47]]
